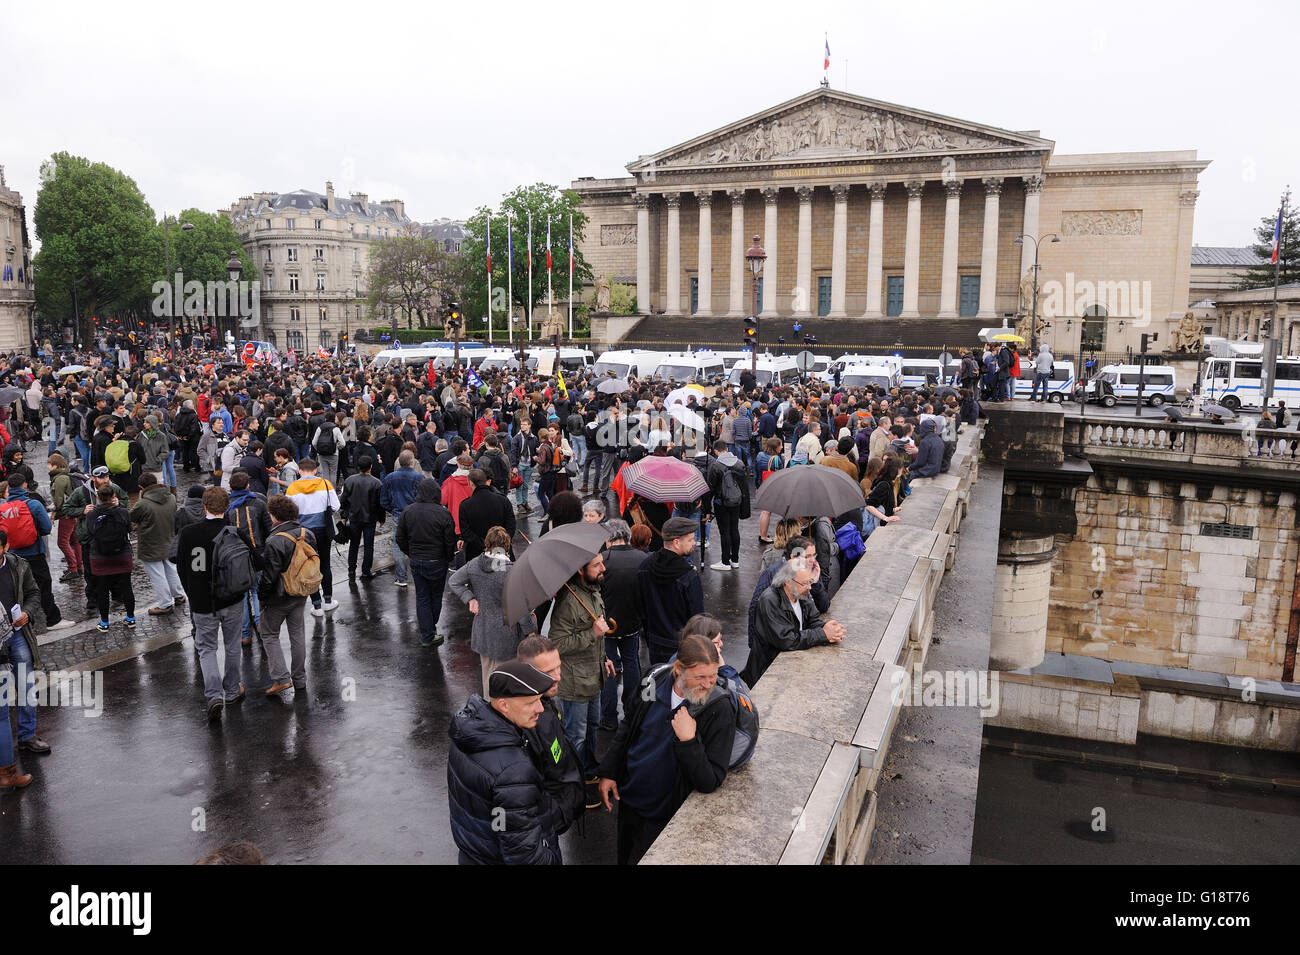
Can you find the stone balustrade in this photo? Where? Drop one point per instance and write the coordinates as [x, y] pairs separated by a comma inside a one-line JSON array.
[[808, 796], [1172, 442]]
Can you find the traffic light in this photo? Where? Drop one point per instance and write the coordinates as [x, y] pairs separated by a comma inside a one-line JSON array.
[[1147, 339], [749, 335], [454, 317]]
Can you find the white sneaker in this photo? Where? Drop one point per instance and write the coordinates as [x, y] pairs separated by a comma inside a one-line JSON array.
[[62, 625], [317, 612], [719, 566], [735, 565], [331, 604], [400, 583]]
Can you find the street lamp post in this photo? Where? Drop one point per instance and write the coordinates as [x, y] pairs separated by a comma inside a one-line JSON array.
[[234, 267], [167, 255], [755, 256], [1033, 317]]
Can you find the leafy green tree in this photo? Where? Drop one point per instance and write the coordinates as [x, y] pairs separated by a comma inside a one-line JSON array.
[[200, 254], [540, 200], [411, 274], [1261, 276], [96, 232], [622, 299]]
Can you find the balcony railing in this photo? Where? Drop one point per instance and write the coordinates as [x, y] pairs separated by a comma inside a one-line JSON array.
[[1230, 444]]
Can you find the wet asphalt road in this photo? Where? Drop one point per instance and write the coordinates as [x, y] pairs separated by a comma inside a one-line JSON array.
[[354, 770]]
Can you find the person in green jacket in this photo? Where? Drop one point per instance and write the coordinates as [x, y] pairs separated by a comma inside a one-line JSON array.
[[578, 629], [154, 518], [61, 486]]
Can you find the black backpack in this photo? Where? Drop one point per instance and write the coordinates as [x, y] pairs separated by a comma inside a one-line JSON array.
[[111, 532], [729, 491], [325, 443], [232, 566], [739, 700]]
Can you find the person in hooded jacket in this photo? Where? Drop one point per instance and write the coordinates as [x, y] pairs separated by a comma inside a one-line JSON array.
[[426, 534], [501, 811], [670, 590], [457, 488], [154, 517], [727, 514], [929, 452], [483, 509], [478, 585]]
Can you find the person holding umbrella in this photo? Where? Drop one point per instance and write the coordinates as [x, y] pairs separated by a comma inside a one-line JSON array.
[[578, 629]]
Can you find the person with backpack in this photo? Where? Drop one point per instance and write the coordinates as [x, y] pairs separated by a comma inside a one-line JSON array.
[[110, 556], [669, 589], [291, 572], [676, 742], [218, 615], [247, 512], [325, 447], [494, 461], [26, 522], [317, 504], [79, 505], [728, 479], [155, 447], [81, 427], [62, 484], [155, 520], [105, 425]]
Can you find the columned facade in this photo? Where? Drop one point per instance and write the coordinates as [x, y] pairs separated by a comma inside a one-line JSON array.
[[870, 211]]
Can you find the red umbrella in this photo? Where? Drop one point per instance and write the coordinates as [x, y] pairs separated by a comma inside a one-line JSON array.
[[664, 479]]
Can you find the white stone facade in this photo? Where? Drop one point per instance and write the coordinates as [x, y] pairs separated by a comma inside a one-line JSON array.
[[17, 292]]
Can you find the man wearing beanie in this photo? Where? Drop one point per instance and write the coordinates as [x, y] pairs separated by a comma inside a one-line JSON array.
[[670, 589], [501, 813]]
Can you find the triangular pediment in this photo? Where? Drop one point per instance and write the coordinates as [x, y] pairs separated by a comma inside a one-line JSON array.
[[828, 124]]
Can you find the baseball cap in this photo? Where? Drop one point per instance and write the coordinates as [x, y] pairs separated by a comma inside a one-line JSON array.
[[514, 678]]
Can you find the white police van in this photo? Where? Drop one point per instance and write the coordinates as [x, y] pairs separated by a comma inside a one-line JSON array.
[[1157, 384], [683, 367], [1059, 387], [870, 376], [771, 370], [629, 363]]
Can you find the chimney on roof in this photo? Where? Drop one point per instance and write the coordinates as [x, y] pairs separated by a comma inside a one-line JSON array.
[[362, 198], [398, 205], [329, 195]]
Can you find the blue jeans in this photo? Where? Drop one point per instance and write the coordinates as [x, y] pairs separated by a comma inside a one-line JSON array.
[[400, 565], [1039, 379], [169, 469], [521, 492], [83, 448], [579, 444], [581, 721], [252, 607], [20, 657], [696, 515], [742, 451], [304, 450], [625, 652], [545, 489], [430, 579]]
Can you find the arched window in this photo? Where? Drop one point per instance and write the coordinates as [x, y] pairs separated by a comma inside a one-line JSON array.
[[1094, 328]]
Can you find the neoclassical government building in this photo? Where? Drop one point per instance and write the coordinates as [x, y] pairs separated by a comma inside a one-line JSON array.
[[867, 209]]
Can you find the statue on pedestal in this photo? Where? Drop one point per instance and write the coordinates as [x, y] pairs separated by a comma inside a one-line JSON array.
[[602, 295], [1189, 336], [552, 325]]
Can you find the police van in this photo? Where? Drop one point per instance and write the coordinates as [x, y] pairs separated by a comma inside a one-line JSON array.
[[1157, 384], [1060, 386], [870, 376], [771, 370], [699, 366], [571, 359], [630, 363], [918, 372], [440, 352]]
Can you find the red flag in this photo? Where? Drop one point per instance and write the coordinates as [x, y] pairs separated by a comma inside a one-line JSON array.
[[489, 245], [433, 378]]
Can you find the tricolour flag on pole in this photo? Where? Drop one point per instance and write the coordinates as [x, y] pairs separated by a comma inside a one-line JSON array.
[[548, 243], [571, 247], [530, 243], [826, 64], [1277, 234], [489, 243], [510, 247]]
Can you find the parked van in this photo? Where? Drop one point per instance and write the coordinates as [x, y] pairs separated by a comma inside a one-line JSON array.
[[682, 367], [870, 376], [772, 370], [495, 358], [1060, 386], [441, 352], [636, 362], [1157, 384], [917, 372], [571, 359]]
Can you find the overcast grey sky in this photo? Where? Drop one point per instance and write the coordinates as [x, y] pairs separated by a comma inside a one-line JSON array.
[[449, 108]]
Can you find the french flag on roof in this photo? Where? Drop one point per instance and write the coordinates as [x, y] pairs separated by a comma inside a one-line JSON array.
[[826, 64], [1277, 234]]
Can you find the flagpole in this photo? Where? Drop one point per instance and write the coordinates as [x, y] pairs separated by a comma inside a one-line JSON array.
[[510, 285], [489, 280], [550, 298], [570, 275], [1274, 342], [530, 275]]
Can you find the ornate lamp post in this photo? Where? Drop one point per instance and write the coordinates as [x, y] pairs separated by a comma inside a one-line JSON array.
[[234, 267], [755, 256], [1033, 318]]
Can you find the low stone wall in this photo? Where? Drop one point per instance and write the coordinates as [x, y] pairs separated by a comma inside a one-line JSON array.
[[1113, 702], [809, 794]]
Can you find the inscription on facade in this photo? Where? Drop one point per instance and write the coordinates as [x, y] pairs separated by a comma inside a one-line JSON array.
[[1102, 222]]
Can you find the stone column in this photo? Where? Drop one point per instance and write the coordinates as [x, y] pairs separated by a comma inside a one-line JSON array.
[[912, 250], [951, 223], [1033, 191], [839, 250], [737, 307], [1021, 586], [803, 278], [673, 290], [642, 202], [769, 242], [705, 308], [875, 250], [989, 255]]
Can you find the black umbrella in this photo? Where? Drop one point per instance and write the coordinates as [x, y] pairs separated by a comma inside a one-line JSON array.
[[1172, 413], [547, 564], [809, 491]]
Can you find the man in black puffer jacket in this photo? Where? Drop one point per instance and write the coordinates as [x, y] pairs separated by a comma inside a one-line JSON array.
[[427, 535], [501, 812]]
